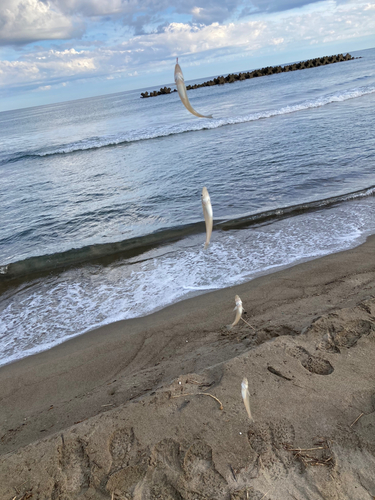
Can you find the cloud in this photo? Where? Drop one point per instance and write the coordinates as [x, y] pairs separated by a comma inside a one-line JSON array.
[[141, 13], [328, 24], [181, 38], [46, 87], [269, 6], [24, 21], [90, 8], [196, 43], [210, 11], [138, 11], [46, 66]]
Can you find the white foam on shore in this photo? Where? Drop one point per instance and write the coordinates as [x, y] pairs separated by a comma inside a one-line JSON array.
[[46, 312]]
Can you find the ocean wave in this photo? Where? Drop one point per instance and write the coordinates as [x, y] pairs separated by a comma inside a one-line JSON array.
[[105, 253], [164, 131], [41, 313]]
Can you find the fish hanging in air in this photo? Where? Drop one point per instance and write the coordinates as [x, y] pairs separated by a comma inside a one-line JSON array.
[[246, 397], [180, 83], [239, 311], [208, 215]]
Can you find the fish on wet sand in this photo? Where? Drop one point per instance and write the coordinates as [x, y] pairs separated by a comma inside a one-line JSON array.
[[180, 83], [208, 215], [238, 309], [246, 396]]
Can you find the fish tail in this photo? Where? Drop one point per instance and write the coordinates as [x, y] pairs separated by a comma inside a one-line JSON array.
[[247, 406]]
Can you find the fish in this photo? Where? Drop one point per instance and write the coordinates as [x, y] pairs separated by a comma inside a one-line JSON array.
[[208, 215], [180, 83], [246, 396], [238, 309]]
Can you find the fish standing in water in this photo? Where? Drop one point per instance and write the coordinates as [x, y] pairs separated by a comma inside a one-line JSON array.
[[180, 83], [208, 215], [246, 397]]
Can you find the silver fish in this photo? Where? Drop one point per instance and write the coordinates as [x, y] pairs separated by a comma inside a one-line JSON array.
[[180, 83], [238, 309], [246, 396], [208, 215]]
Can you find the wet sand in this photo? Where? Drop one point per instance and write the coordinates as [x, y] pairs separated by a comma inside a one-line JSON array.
[[127, 411]]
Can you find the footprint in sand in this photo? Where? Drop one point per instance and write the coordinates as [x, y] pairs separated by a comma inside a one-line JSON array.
[[342, 330], [314, 364], [201, 475], [167, 455], [74, 465], [121, 445], [163, 490], [247, 494], [349, 335], [268, 440], [129, 464]]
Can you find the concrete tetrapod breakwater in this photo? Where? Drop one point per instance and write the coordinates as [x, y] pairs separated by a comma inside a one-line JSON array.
[[269, 70]]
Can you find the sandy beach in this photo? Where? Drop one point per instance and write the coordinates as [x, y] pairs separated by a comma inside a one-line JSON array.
[[151, 408]]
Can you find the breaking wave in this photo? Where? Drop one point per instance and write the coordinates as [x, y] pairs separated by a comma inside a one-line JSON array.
[[164, 131], [105, 253]]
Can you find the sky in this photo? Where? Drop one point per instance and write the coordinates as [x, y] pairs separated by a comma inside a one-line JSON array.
[[60, 50]]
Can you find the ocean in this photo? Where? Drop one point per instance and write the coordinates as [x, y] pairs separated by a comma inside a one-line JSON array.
[[101, 217]]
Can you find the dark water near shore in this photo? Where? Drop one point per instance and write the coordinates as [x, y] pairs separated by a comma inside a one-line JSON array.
[[110, 186]]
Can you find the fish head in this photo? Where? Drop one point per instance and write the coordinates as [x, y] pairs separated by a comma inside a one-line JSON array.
[[205, 196], [244, 387], [238, 301], [178, 76]]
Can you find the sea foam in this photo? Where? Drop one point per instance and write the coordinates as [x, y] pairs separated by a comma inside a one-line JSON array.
[[46, 312]]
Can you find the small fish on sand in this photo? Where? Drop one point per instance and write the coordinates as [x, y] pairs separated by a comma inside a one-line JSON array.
[[246, 396], [180, 83], [239, 311], [208, 215]]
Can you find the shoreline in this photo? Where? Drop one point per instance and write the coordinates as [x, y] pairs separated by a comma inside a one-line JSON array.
[[15, 273], [46, 334], [99, 379], [191, 294]]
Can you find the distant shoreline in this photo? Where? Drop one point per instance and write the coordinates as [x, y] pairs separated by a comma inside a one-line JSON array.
[[269, 70]]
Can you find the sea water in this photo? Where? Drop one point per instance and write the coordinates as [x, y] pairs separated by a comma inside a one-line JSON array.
[[101, 217]]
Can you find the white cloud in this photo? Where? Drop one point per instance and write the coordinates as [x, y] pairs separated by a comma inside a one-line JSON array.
[[17, 71], [48, 65], [22, 21], [46, 87], [25, 21], [180, 38], [277, 41], [332, 23], [197, 43]]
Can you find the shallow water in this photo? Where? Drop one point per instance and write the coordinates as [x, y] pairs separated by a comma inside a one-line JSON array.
[[120, 176]]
